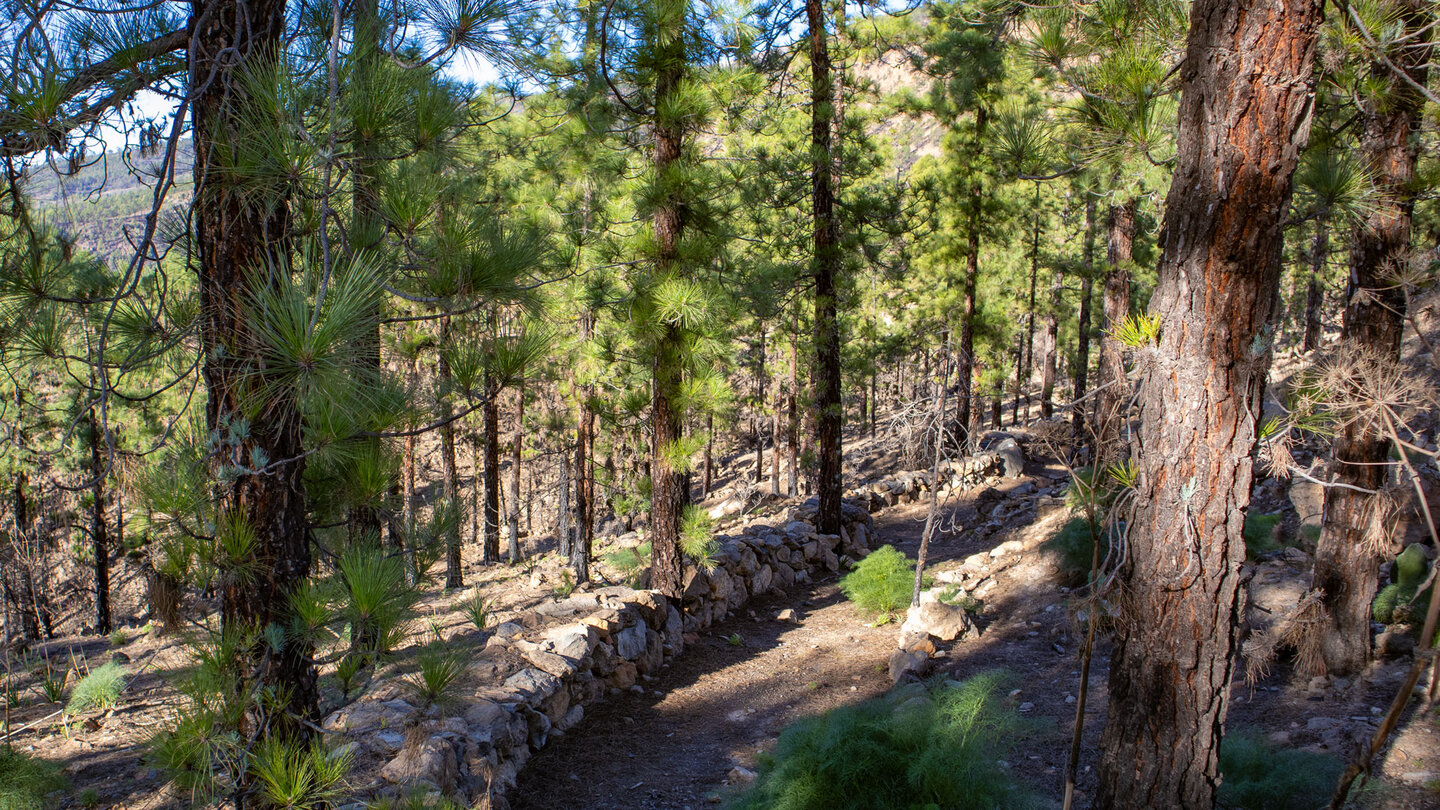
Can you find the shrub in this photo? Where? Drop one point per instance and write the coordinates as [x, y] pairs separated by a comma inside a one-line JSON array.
[[630, 562], [1396, 601], [300, 777], [476, 609], [98, 690], [118, 637], [440, 667], [697, 537], [1260, 534], [1075, 545], [882, 583], [1256, 776], [25, 781], [920, 747], [52, 682]]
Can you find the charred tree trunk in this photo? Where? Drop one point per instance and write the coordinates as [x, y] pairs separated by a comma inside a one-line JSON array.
[[1030, 307], [758, 419], [99, 528], [241, 243], [1245, 105], [792, 422], [829, 408], [1345, 564]]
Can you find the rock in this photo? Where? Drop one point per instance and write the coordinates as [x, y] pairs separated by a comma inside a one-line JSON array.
[[740, 775], [1309, 501], [623, 677], [1394, 642], [1026, 707], [1007, 547], [906, 664], [788, 615], [675, 631], [1012, 456], [533, 684], [426, 760], [945, 622], [576, 605], [630, 642], [764, 577]]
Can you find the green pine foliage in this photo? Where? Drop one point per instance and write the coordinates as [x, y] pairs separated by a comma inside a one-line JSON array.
[[935, 746], [1075, 543], [881, 584], [1261, 534], [1257, 776]]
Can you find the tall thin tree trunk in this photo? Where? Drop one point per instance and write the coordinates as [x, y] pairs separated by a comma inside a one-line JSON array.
[[454, 569], [1346, 565], [667, 483], [1082, 349], [758, 417], [965, 373], [99, 528], [829, 408], [1113, 397], [1244, 115], [516, 454], [1315, 293], [490, 525], [1030, 306], [775, 400], [707, 475], [792, 407]]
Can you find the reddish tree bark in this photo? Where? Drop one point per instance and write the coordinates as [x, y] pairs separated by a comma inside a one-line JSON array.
[[1245, 105], [1346, 567]]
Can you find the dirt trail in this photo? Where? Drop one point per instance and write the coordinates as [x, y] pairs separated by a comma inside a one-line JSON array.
[[719, 703]]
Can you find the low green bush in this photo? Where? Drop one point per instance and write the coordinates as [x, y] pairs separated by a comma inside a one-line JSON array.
[[921, 747], [1075, 545], [1257, 776], [882, 583], [1397, 602], [630, 562], [98, 690], [24, 781], [1260, 534]]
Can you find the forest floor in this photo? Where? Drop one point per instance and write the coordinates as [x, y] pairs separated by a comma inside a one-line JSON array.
[[677, 744]]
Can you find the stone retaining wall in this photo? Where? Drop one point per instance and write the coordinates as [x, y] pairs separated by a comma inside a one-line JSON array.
[[598, 643]]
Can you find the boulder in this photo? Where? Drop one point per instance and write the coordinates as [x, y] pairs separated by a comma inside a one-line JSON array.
[[427, 760], [908, 664], [937, 619], [1013, 457], [630, 642]]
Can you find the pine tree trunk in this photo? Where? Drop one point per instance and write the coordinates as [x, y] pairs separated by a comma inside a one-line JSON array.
[[965, 374], [1112, 400], [516, 452], [1243, 119], [775, 399], [1029, 374], [234, 236], [829, 408], [667, 484], [706, 476], [1315, 294], [99, 528], [792, 408], [758, 415], [1082, 349], [1052, 344], [454, 566], [490, 546], [1345, 564]]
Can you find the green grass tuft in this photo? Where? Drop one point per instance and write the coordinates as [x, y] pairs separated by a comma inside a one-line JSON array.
[[882, 583], [98, 690], [1256, 776], [1260, 534], [25, 781], [919, 747], [1075, 545]]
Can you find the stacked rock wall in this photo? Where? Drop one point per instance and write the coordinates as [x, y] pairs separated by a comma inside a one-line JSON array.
[[471, 749]]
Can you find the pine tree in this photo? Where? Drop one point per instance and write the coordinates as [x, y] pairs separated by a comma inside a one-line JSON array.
[[1217, 282]]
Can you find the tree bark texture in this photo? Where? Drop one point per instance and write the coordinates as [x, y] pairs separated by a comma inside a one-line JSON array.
[[1082, 347], [1346, 566], [1315, 292], [829, 408], [1113, 397], [667, 500], [1244, 116], [239, 241]]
